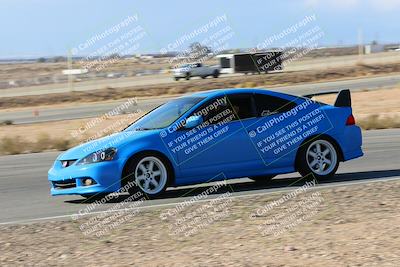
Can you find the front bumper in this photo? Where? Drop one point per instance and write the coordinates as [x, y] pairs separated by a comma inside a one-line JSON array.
[[69, 180]]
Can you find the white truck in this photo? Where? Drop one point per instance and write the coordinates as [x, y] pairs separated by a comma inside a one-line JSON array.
[[187, 71]]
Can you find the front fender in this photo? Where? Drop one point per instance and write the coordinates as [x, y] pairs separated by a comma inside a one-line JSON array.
[[149, 143]]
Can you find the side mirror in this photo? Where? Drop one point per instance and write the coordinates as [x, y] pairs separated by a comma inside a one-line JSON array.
[[193, 121]]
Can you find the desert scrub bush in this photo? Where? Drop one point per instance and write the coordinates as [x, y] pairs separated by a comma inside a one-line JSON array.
[[7, 122], [42, 143], [379, 122], [62, 144], [246, 85], [12, 145], [177, 90], [369, 122], [17, 145], [45, 142]]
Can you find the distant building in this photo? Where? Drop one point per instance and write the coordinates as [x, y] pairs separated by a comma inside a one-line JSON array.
[[374, 48]]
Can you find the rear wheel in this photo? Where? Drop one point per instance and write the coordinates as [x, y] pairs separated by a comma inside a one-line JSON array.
[[319, 158], [151, 175], [176, 78], [262, 179], [216, 74], [187, 77]]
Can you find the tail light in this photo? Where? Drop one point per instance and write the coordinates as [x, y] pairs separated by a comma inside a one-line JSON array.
[[351, 120]]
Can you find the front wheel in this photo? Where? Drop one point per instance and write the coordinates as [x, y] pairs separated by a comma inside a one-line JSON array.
[[187, 77], [150, 174], [319, 158]]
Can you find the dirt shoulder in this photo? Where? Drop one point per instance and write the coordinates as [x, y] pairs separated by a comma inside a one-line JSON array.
[[386, 104], [273, 79], [377, 109], [357, 225], [381, 113], [59, 135]]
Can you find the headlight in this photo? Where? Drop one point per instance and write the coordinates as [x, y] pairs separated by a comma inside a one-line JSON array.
[[99, 156]]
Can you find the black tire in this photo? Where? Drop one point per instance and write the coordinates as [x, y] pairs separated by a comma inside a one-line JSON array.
[[216, 74], [262, 179], [131, 175], [203, 77], [176, 78], [187, 77], [304, 160]]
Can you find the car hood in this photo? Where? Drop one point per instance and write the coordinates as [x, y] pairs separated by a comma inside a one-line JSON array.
[[116, 140]]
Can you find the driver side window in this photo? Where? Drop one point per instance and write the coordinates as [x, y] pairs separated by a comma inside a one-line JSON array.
[[215, 111], [227, 108]]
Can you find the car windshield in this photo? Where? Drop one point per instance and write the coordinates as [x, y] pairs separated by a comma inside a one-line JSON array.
[[185, 66], [164, 115]]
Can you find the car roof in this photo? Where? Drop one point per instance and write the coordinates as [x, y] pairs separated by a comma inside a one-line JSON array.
[[221, 92]]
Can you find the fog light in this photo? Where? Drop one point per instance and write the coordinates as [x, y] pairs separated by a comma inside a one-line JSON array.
[[88, 182]]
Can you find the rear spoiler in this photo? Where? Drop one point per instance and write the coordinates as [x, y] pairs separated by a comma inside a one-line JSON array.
[[342, 100]]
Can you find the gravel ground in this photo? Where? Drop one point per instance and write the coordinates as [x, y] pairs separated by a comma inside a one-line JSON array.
[[244, 81], [356, 225]]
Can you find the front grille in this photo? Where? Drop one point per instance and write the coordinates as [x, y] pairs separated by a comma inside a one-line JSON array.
[[67, 163], [65, 184]]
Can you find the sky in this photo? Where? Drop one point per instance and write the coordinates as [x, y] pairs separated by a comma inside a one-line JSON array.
[[34, 28]]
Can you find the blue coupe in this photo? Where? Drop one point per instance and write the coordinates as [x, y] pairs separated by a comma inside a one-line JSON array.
[[210, 136]]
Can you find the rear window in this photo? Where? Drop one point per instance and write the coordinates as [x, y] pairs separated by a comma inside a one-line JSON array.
[[242, 106], [268, 105]]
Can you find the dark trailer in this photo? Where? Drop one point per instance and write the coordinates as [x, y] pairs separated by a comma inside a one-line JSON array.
[[251, 62]]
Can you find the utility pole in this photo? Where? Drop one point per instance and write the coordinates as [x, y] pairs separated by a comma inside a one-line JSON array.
[[360, 45], [70, 75]]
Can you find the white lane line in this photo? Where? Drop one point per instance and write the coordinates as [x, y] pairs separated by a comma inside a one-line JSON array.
[[319, 186]]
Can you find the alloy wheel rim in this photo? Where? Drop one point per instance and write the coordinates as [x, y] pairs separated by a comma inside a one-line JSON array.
[[150, 175], [321, 157]]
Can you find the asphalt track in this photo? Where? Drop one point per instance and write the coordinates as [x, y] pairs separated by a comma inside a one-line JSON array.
[[24, 189], [76, 111]]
